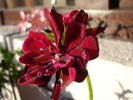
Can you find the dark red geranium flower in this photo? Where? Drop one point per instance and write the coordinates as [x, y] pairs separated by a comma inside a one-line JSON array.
[[74, 46]]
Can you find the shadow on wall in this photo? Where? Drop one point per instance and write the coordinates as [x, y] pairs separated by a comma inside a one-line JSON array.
[[112, 30], [123, 93]]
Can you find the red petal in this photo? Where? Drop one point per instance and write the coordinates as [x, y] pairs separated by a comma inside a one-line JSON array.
[[23, 81], [63, 61], [30, 76], [40, 36], [72, 33], [56, 91], [77, 16], [43, 58], [81, 71], [54, 22], [59, 21], [68, 75], [81, 75], [76, 52], [81, 17], [27, 58], [35, 57], [79, 38], [80, 53], [95, 31], [35, 41], [31, 44], [69, 17], [90, 44], [26, 78]]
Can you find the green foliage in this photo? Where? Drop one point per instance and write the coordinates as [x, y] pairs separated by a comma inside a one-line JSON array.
[[50, 36], [19, 52], [8, 67]]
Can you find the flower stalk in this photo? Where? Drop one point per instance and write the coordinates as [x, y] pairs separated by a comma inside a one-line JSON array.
[[89, 87]]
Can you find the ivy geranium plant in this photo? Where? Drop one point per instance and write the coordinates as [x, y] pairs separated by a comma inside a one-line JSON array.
[[63, 49]]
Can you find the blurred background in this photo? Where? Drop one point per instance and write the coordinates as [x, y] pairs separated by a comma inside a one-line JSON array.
[[111, 74]]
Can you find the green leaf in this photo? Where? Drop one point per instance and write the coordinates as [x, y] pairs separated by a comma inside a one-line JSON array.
[[20, 52], [50, 36], [64, 35]]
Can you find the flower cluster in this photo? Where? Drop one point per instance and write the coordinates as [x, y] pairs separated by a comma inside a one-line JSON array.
[[74, 45], [32, 21]]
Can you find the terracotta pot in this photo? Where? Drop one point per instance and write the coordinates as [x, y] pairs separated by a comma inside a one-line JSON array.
[[30, 3], [12, 3]]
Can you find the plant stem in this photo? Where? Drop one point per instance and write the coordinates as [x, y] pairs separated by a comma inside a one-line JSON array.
[[89, 87]]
